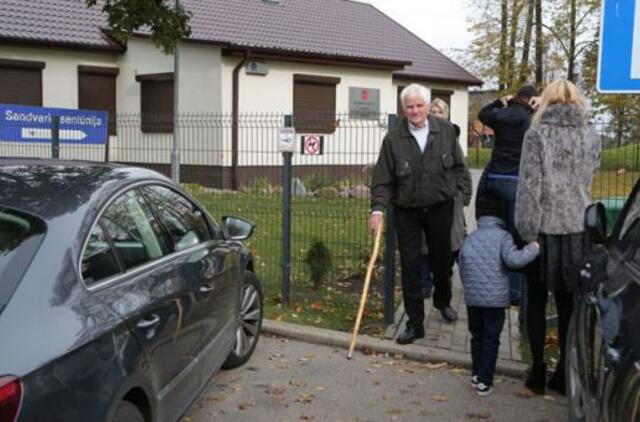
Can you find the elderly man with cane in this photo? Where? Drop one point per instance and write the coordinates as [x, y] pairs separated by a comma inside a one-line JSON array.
[[420, 170]]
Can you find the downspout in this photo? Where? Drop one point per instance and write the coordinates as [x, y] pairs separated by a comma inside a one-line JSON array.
[[235, 106]]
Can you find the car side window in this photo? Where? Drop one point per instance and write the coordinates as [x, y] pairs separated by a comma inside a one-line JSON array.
[[98, 259], [185, 222], [630, 226], [133, 230]]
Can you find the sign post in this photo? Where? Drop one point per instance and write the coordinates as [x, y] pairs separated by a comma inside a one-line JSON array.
[[619, 59], [287, 137]]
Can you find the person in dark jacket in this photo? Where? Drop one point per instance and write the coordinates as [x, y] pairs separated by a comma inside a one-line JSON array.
[[420, 170], [509, 118], [485, 258]]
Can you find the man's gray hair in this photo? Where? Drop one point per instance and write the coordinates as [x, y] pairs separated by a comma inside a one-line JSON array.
[[414, 90]]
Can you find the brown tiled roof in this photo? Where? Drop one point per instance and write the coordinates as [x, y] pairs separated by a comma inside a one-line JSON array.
[[66, 22], [334, 28]]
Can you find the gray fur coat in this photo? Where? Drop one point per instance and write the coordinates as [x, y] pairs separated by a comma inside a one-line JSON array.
[[559, 158]]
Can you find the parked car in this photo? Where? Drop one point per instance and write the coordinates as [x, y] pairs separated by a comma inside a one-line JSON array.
[[603, 359], [120, 296]]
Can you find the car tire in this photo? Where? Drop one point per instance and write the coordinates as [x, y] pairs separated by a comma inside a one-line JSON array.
[[248, 332], [127, 412], [575, 390]]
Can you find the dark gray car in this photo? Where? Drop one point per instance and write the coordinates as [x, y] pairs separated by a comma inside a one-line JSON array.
[[120, 296]]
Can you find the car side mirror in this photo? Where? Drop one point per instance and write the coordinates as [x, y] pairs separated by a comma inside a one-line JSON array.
[[595, 223], [236, 228]]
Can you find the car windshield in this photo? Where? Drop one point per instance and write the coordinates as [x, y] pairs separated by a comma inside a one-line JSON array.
[[20, 236]]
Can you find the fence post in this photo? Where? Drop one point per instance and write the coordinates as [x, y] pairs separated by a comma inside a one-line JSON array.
[[55, 136], [286, 220], [389, 252]]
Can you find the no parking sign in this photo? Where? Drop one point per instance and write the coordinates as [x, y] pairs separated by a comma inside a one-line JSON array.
[[311, 144]]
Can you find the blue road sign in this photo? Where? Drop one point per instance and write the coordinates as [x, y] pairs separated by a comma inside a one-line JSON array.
[[619, 61], [33, 124]]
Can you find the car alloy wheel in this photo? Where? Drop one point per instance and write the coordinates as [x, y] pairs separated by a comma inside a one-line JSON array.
[[248, 331], [575, 390], [250, 317]]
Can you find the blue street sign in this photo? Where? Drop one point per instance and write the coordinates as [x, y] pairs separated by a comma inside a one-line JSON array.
[[619, 61], [33, 124]]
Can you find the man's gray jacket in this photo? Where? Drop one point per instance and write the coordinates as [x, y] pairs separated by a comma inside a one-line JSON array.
[[485, 259], [410, 178]]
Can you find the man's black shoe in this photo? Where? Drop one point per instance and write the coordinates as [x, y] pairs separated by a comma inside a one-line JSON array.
[[410, 335], [449, 314]]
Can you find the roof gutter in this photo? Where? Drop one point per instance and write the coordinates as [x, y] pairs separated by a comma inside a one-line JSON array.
[[235, 107]]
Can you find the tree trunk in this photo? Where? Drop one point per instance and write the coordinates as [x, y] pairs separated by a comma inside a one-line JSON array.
[[571, 60], [502, 54], [539, 44], [513, 38], [526, 44]]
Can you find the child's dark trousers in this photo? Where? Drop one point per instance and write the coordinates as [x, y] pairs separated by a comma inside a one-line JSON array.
[[485, 326]]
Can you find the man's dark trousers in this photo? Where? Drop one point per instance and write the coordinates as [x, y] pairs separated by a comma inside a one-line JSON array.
[[435, 222]]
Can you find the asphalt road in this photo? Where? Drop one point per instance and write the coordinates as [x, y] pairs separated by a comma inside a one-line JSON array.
[[288, 380]]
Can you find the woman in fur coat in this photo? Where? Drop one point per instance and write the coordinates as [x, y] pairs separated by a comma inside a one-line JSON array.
[[560, 155]]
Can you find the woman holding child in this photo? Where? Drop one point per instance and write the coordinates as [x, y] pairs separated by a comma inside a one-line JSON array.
[[560, 155]]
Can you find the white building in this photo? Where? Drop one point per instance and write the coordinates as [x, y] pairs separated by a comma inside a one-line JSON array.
[[318, 59]]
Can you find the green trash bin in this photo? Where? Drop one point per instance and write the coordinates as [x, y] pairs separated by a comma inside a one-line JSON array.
[[614, 206]]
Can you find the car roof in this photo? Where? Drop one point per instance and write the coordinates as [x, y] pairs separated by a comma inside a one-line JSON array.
[[49, 188]]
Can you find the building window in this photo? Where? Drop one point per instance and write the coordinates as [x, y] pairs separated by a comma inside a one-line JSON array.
[[97, 91], [156, 102], [314, 103], [21, 82]]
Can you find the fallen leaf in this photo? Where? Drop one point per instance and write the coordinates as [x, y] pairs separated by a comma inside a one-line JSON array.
[[276, 391], [306, 418], [317, 306], [215, 398], [458, 371], [305, 398], [549, 398], [432, 366], [297, 383], [477, 416], [299, 309], [246, 405], [440, 399], [320, 388]]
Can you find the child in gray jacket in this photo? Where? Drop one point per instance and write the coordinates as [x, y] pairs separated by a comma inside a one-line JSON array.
[[485, 259]]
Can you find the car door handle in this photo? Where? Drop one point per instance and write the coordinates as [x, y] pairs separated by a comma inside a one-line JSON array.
[[149, 321], [206, 288]]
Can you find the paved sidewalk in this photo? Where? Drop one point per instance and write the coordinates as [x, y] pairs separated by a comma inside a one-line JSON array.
[[440, 334]]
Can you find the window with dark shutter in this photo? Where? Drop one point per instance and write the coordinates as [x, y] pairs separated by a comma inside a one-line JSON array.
[[314, 103], [156, 102], [21, 82], [97, 91]]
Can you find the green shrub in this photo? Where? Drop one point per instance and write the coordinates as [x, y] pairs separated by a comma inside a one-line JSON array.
[[318, 260]]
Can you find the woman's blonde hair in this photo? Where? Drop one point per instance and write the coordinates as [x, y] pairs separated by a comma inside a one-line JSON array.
[[559, 91], [442, 105]]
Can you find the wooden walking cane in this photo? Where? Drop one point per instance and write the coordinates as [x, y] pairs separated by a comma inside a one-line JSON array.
[[365, 288]]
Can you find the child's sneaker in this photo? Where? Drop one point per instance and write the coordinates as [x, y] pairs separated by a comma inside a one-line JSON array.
[[474, 381], [483, 390]]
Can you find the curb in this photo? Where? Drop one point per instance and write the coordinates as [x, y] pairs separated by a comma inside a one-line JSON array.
[[412, 351]]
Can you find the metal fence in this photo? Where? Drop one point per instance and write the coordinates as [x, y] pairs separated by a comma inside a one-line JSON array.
[[236, 169]]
